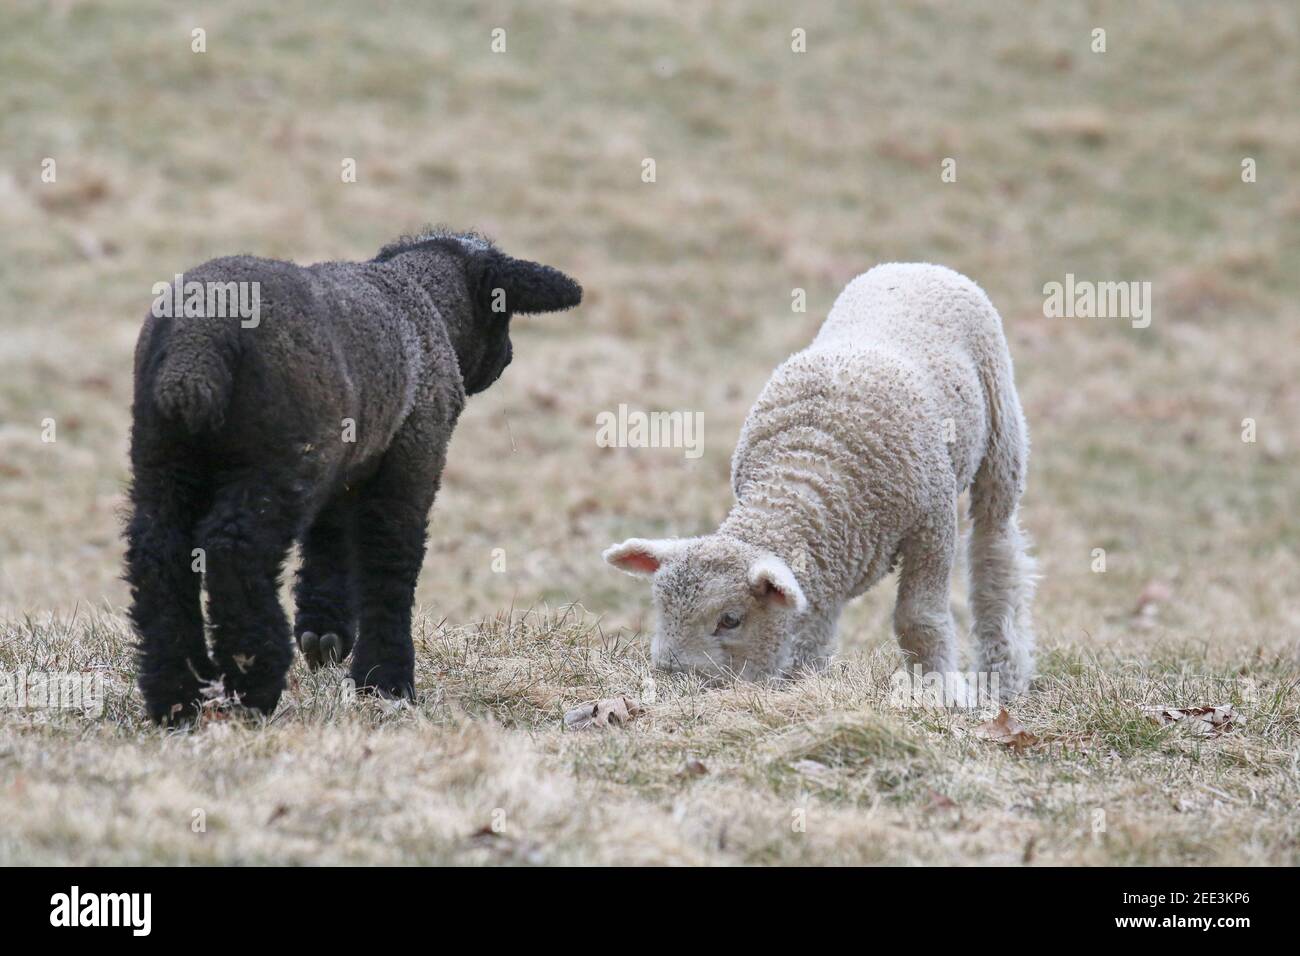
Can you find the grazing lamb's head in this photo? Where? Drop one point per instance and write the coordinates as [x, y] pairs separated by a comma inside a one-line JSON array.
[[477, 288], [724, 608]]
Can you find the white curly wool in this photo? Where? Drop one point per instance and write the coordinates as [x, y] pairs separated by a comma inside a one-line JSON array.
[[850, 464]]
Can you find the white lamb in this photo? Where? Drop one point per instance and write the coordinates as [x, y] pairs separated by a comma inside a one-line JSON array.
[[850, 464]]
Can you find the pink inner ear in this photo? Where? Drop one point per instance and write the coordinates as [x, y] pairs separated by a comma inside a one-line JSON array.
[[640, 561], [774, 594]]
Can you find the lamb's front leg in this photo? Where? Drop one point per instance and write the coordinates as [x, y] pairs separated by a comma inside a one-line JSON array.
[[923, 615], [392, 524]]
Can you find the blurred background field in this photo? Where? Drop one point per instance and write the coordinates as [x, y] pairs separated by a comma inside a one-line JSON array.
[[775, 170]]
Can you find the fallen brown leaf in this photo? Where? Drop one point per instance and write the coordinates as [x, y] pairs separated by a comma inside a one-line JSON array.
[[614, 711], [506, 846], [1209, 720], [1006, 730], [939, 801]]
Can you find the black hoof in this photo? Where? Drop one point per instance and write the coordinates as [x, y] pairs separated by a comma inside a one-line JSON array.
[[392, 682], [309, 644], [177, 715], [331, 649], [261, 699], [320, 650], [176, 704]]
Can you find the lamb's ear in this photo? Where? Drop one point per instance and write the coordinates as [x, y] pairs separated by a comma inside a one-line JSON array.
[[527, 286], [772, 580], [641, 556]]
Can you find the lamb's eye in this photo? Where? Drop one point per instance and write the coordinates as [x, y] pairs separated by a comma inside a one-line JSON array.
[[729, 621]]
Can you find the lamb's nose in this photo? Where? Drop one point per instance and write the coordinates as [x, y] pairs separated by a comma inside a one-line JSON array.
[[665, 661]]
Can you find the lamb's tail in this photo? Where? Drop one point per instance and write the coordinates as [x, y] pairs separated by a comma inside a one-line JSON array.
[[1001, 568], [195, 377]]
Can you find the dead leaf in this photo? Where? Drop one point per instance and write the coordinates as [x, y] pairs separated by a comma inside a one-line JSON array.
[[1006, 730], [614, 711], [939, 801], [505, 846], [1209, 720]]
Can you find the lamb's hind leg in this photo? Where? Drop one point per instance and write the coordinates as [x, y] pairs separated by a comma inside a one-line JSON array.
[[923, 616], [326, 616], [1001, 570], [173, 653], [247, 536], [1001, 591]]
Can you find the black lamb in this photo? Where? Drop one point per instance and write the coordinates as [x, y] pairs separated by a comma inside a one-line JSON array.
[[323, 419]]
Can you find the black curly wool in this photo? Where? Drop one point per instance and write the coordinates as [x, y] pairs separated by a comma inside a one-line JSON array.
[[325, 421]]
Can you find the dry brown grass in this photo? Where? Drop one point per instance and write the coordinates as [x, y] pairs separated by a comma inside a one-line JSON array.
[[829, 770], [775, 171]]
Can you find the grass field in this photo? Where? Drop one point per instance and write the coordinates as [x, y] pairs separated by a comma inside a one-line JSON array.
[[775, 171]]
